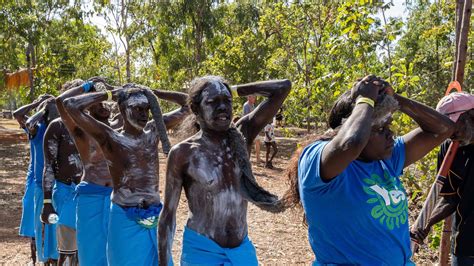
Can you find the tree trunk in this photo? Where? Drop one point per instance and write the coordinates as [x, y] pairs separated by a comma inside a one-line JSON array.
[[463, 41], [31, 61], [462, 32], [458, 18], [127, 66]]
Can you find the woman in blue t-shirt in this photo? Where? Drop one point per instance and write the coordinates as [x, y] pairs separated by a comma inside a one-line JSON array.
[[348, 179]]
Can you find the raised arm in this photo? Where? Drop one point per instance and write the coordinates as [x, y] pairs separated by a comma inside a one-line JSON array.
[[174, 117], [76, 106], [21, 114], [79, 136], [353, 135], [67, 120], [167, 223], [50, 147], [276, 92], [433, 129]]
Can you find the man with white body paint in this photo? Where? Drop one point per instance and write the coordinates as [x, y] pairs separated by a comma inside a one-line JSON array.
[[132, 158], [93, 192], [62, 172], [213, 168]]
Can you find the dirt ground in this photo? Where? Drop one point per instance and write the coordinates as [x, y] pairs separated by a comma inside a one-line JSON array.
[[280, 239]]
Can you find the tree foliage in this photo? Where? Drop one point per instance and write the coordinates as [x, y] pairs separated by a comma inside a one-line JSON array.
[[321, 46]]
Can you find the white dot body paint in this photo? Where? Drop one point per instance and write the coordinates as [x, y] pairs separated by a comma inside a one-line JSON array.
[[53, 146], [75, 160]]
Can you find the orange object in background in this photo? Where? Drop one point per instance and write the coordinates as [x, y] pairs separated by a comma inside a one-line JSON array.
[[17, 79]]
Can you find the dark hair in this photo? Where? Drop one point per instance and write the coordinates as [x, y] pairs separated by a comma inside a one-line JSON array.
[[342, 108], [291, 198]]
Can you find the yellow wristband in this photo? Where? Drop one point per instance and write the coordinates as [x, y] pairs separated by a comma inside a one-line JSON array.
[[233, 89], [366, 100], [46, 201], [109, 95]]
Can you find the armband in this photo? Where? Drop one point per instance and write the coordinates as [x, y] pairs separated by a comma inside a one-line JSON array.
[[233, 89], [109, 95], [87, 86], [365, 100]]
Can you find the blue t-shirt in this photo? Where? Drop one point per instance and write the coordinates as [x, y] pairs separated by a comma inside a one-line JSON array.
[[38, 161], [360, 216]]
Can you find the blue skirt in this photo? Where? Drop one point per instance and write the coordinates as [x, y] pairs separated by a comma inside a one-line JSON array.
[[64, 202], [129, 243], [93, 208], [45, 234], [200, 250], [27, 224]]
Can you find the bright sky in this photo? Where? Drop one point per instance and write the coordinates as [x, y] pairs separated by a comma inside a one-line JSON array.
[[398, 10]]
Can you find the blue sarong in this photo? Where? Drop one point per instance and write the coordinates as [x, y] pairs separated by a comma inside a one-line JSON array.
[[27, 224], [46, 245], [64, 203], [200, 250], [129, 243], [93, 208]]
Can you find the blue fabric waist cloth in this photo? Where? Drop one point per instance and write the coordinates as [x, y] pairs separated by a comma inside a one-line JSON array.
[[147, 218], [128, 243], [93, 208], [200, 250], [64, 202], [91, 188]]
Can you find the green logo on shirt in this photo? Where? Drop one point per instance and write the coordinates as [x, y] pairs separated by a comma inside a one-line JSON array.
[[390, 201]]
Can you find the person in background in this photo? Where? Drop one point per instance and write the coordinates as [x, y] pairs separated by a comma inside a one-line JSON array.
[[249, 106], [457, 191], [270, 142]]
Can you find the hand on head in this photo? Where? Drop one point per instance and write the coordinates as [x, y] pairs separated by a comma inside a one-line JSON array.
[[100, 84], [371, 87], [42, 97]]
